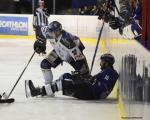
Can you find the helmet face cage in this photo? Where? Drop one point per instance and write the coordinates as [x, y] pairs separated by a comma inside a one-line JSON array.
[[46, 33], [108, 58], [55, 26]]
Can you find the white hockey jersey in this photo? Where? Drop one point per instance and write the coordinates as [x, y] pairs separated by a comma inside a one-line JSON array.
[[66, 46]]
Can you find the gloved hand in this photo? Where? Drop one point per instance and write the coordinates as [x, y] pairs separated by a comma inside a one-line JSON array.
[[40, 46], [115, 22], [101, 14]]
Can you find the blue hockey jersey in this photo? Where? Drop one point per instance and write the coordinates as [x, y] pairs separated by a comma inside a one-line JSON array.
[[105, 81]]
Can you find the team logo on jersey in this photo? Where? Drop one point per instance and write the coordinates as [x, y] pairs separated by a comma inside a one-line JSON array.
[[106, 77]]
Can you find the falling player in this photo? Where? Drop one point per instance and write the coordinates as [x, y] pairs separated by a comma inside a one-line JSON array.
[[89, 87]]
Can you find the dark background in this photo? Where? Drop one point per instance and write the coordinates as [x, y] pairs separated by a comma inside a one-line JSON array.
[[25, 6]]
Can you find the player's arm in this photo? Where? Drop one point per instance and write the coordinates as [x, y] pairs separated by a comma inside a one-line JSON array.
[[40, 44], [46, 12], [34, 20], [79, 43]]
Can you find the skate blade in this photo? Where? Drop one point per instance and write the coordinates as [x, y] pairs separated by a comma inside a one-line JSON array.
[[27, 89]]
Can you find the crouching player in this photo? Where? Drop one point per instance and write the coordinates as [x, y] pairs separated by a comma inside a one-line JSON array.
[[83, 87]]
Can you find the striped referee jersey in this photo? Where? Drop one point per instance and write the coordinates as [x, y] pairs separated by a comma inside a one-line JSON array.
[[40, 17]]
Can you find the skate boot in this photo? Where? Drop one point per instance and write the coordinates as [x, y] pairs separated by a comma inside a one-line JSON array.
[[33, 91]]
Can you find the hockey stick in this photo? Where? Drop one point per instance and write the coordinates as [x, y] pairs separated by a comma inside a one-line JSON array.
[[99, 37], [21, 75]]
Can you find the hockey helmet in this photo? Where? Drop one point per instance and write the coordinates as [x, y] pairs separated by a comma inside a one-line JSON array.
[[108, 58], [55, 26]]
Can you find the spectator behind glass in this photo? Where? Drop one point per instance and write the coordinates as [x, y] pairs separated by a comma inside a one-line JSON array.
[[79, 11], [86, 10], [94, 10]]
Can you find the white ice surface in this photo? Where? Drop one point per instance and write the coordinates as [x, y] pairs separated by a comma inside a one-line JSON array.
[[14, 55]]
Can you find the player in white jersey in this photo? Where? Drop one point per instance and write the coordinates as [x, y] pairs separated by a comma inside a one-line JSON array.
[[67, 47]]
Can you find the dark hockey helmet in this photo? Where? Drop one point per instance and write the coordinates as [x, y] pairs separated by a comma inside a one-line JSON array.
[[55, 26], [108, 58]]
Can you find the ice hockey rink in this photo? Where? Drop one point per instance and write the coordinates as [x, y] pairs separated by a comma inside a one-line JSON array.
[[14, 55], [117, 24]]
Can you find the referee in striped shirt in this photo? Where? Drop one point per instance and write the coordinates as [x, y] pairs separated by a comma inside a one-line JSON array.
[[40, 18]]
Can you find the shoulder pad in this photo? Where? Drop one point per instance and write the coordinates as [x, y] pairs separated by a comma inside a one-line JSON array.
[[68, 36]]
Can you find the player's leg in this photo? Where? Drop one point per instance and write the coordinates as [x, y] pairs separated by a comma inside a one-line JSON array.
[[85, 91], [52, 60], [49, 89], [80, 65], [33, 91], [69, 87], [64, 84], [75, 87]]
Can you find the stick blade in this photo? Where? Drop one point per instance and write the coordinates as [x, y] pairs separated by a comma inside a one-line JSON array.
[[10, 100]]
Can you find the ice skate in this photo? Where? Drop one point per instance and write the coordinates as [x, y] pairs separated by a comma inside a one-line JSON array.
[[33, 91]]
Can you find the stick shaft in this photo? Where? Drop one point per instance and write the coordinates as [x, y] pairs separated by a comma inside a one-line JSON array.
[[21, 75]]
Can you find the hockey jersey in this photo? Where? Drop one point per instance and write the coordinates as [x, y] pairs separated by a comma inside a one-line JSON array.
[[67, 46], [105, 81]]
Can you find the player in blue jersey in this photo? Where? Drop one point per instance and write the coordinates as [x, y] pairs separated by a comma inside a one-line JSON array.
[[87, 87], [136, 20]]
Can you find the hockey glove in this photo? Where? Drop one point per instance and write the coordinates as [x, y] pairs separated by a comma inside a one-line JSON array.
[[101, 14], [40, 46], [115, 22]]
